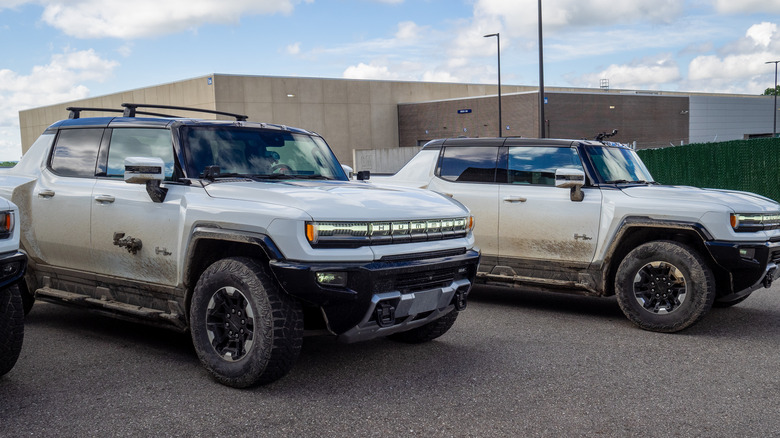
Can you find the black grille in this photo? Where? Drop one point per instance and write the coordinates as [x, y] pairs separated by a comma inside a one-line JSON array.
[[424, 255], [417, 281]]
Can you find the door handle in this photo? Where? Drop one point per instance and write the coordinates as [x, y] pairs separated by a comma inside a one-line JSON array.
[[46, 193], [515, 199], [104, 199]]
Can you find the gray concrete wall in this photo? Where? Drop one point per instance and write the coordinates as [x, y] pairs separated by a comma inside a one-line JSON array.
[[719, 118]]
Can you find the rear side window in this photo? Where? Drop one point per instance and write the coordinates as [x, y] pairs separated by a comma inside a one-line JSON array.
[[469, 164], [537, 165], [75, 153], [139, 142]]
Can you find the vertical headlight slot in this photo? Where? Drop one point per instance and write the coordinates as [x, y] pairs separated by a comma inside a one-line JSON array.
[[6, 223]]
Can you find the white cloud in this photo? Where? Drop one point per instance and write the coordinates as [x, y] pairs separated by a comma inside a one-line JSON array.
[[739, 66], [10, 4], [125, 50], [520, 17], [647, 73], [293, 49], [61, 80], [369, 71], [572, 28], [149, 18], [747, 6], [762, 33], [439, 76], [408, 30]]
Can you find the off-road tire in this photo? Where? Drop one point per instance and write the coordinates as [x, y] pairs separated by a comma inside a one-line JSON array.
[[272, 324], [664, 286], [11, 328], [427, 332]]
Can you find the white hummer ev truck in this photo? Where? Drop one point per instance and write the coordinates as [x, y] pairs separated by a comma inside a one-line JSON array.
[[587, 217], [242, 233], [12, 266]]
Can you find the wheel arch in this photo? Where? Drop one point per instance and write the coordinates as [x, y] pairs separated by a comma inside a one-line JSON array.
[[636, 231], [207, 245]]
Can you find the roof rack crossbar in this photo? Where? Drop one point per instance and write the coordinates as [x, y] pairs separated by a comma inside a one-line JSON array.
[[130, 110], [75, 111]]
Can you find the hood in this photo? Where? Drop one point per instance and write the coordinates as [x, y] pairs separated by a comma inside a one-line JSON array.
[[742, 202], [342, 200]]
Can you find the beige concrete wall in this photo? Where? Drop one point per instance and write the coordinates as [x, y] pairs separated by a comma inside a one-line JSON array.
[[192, 93], [349, 114]]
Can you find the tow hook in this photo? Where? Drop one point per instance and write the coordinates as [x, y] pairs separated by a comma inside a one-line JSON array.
[[385, 315], [460, 298], [770, 275]]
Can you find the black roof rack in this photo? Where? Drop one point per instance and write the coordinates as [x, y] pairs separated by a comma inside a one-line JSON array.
[[130, 110], [75, 111]]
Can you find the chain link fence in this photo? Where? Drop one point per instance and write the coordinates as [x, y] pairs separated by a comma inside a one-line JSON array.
[[748, 165]]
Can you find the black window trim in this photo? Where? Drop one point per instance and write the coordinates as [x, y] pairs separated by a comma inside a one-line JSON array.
[[55, 143], [443, 147], [101, 168]]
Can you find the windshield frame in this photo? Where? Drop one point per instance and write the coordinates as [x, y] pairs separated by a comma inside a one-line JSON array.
[[622, 159], [324, 164]]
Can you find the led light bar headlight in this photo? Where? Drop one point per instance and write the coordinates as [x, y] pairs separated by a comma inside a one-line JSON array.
[[353, 234], [749, 222]]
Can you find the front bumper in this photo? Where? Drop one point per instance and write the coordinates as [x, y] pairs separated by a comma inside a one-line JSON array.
[[12, 267], [385, 296], [751, 265]]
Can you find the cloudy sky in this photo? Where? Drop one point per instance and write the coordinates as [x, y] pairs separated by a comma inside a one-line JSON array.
[[54, 51]]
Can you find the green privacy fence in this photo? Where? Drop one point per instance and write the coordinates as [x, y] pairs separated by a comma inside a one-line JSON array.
[[749, 165]]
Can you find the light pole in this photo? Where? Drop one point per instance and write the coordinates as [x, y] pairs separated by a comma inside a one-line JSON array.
[[541, 77], [774, 106], [498, 45]]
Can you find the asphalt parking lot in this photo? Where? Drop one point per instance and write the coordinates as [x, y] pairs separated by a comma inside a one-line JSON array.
[[515, 364]]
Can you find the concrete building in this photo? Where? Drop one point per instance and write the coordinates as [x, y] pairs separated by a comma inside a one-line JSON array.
[[647, 120], [357, 115], [349, 114]]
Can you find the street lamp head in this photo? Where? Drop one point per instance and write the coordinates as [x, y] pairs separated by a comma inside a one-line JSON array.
[[768, 62], [491, 35]]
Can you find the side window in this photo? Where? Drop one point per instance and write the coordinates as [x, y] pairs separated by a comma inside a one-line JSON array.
[[469, 164], [536, 165], [75, 153], [139, 142]]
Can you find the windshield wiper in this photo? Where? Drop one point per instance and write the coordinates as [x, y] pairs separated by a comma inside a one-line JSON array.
[[225, 175], [286, 176], [309, 177], [625, 181]]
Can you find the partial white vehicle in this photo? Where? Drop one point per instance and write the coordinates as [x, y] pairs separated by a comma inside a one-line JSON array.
[[12, 267], [242, 233], [587, 217]]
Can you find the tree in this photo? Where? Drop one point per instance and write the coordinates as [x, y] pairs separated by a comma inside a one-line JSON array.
[[772, 91]]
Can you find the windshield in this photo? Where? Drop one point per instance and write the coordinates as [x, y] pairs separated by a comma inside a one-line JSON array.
[[262, 153], [618, 165]]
